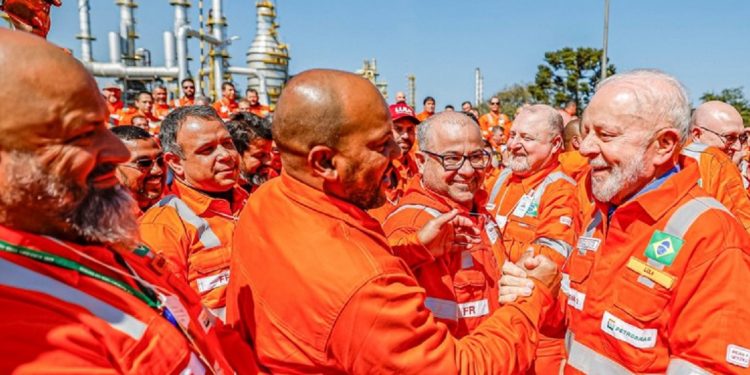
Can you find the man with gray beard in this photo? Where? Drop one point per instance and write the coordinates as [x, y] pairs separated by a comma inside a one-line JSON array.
[[534, 204], [78, 296], [657, 282]]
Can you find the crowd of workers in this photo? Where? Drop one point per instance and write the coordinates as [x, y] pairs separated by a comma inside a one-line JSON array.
[[340, 234]]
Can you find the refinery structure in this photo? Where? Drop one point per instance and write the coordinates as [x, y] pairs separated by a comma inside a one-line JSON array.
[[267, 68]]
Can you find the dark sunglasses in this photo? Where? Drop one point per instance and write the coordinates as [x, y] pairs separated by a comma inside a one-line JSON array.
[[147, 164]]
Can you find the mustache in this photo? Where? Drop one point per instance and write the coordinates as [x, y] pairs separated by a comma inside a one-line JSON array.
[[598, 163]]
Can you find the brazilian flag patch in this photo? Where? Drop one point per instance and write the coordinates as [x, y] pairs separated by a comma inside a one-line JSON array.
[[533, 210], [141, 251], [663, 247]]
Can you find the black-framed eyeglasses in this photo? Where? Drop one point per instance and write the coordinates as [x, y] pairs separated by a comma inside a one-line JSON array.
[[453, 162], [728, 139], [147, 164], [495, 103]]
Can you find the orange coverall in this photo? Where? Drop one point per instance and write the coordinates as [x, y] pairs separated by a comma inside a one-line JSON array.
[[225, 107], [659, 286], [194, 232], [490, 120], [58, 320], [260, 110], [315, 286], [573, 164], [161, 110], [538, 211], [402, 172], [424, 115], [720, 178], [461, 287], [182, 102]]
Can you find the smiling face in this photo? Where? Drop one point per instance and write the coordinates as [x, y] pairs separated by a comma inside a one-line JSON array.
[[532, 144], [453, 134], [404, 133], [209, 159], [145, 173]]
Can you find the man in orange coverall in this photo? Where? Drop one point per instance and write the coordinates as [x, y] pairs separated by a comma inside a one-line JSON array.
[[461, 286], [535, 204], [572, 162], [404, 167], [314, 283], [78, 294], [192, 226], [657, 281]]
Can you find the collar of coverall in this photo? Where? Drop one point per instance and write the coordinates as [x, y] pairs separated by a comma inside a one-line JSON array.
[[531, 181], [199, 202], [416, 193]]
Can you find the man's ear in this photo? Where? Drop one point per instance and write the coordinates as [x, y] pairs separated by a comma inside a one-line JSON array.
[[421, 160], [667, 143], [576, 141], [174, 162], [321, 160], [557, 143], [695, 134]]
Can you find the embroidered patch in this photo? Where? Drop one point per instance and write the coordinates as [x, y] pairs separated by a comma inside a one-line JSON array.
[[626, 332], [663, 247]]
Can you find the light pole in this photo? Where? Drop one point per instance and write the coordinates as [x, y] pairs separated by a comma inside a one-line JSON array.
[[606, 32]]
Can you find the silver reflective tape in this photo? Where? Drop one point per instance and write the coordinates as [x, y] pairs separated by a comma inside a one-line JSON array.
[[561, 247], [588, 361], [466, 260], [679, 366], [499, 183], [206, 235], [433, 212], [19, 277], [194, 366], [220, 312], [682, 219], [441, 308], [594, 223]]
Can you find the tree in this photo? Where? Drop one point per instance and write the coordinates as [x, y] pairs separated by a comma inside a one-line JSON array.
[[568, 74], [511, 97], [734, 97]]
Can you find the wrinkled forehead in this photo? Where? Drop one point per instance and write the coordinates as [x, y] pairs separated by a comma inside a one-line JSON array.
[[453, 136]]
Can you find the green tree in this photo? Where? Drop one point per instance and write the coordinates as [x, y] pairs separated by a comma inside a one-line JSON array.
[[568, 74], [511, 97], [734, 97]]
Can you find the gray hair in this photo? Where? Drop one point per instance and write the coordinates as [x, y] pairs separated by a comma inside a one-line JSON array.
[[553, 119], [174, 121], [667, 102]]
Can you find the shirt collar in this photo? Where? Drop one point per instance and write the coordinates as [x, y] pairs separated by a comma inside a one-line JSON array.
[[199, 202]]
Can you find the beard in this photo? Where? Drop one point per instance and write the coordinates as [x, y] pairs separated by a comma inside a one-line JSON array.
[[519, 163], [620, 177], [99, 216], [365, 197]]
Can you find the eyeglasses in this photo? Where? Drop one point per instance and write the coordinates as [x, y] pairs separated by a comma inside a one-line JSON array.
[[454, 162], [495, 103], [729, 139], [147, 164], [188, 87]]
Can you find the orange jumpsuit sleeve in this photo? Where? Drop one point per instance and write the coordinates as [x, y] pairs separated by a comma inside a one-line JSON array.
[[167, 236], [707, 318], [559, 223], [726, 185], [385, 328], [405, 245]]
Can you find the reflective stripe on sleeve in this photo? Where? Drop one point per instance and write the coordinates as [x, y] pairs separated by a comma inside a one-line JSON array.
[[561, 247], [679, 366], [588, 361], [447, 309], [498, 183], [433, 212], [682, 219], [19, 277], [206, 235]]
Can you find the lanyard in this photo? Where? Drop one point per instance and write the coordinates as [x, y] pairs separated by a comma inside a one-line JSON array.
[[61, 262]]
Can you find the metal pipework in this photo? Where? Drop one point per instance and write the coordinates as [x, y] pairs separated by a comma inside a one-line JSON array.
[[218, 31], [130, 72], [169, 57], [127, 30], [115, 54], [250, 72], [84, 22]]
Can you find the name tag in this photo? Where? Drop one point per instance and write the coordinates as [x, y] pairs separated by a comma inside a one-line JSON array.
[[576, 299], [175, 307], [588, 244], [642, 268], [626, 332], [501, 221], [523, 206], [212, 282], [491, 230], [473, 309]]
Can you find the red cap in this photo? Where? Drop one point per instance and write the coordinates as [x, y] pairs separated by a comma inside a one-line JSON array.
[[402, 110]]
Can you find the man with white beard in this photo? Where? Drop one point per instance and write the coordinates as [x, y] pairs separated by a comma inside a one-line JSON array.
[[656, 283], [78, 295], [534, 205]]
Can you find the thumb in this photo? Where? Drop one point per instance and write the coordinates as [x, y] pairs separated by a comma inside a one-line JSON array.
[[445, 218]]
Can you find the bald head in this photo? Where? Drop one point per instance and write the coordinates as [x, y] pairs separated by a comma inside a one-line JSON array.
[[320, 107], [37, 94], [572, 135], [443, 122], [717, 124]]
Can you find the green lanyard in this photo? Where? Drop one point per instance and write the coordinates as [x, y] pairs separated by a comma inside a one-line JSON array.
[[75, 266]]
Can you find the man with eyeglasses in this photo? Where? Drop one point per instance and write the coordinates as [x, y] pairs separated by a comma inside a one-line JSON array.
[[460, 274], [535, 206], [193, 225], [716, 134], [188, 94], [145, 173], [493, 118]]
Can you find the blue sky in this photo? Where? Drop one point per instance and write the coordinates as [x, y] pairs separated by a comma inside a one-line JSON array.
[[706, 44]]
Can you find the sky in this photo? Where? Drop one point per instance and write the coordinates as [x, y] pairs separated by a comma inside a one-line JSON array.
[[705, 44]]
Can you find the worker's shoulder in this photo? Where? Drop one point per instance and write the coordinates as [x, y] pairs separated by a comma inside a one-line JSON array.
[[410, 215], [169, 211], [710, 226]]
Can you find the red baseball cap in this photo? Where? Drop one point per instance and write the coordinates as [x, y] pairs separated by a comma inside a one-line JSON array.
[[402, 110]]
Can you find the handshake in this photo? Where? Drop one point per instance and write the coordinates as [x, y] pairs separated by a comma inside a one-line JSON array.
[[517, 278]]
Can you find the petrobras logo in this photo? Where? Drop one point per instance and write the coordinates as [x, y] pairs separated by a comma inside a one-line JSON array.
[[623, 331]]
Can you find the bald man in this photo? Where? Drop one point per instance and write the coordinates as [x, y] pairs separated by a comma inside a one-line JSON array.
[[716, 133], [78, 293], [571, 160], [314, 284]]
